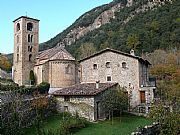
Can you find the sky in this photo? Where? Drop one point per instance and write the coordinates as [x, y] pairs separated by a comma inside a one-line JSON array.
[[54, 16]]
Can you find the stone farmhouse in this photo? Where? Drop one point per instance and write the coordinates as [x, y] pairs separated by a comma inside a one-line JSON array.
[[74, 84], [84, 99], [128, 70]]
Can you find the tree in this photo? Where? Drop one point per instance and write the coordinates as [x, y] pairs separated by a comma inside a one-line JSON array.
[[133, 41], [32, 77], [43, 87], [86, 49], [114, 99], [169, 121], [40, 104]]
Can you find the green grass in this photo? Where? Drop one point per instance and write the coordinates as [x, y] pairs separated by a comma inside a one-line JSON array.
[[121, 126]]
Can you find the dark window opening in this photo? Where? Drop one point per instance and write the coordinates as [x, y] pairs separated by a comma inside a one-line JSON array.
[[29, 26], [30, 48], [108, 78], [66, 98], [124, 65], [68, 69], [17, 57], [107, 64], [66, 108], [30, 57], [31, 38], [17, 27], [95, 66]]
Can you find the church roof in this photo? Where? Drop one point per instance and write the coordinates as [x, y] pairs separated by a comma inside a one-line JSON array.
[[84, 89], [56, 53]]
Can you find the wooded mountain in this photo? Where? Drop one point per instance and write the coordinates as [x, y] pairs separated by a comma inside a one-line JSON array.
[[145, 25]]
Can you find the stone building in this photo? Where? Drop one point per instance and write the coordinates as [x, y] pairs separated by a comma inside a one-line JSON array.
[[84, 99], [26, 42], [55, 66], [128, 70]]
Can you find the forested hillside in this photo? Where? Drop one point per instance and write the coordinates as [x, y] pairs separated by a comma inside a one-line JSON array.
[[142, 25]]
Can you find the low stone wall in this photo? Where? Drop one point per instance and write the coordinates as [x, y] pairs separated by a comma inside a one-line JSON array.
[[153, 129], [20, 110]]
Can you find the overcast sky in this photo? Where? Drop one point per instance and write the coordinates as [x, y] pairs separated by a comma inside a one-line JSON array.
[[54, 16]]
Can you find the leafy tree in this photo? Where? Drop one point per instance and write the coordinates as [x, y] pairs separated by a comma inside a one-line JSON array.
[[168, 120], [114, 99], [40, 105], [133, 41], [87, 49], [43, 87]]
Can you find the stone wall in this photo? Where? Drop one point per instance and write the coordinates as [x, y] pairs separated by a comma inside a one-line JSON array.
[[153, 129], [61, 74], [83, 105], [22, 105], [127, 77]]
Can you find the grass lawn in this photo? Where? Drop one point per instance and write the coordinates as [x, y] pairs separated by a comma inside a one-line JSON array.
[[121, 126]]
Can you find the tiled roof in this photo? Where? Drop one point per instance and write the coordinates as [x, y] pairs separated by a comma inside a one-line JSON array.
[[115, 51], [84, 89], [26, 18], [56, 53]]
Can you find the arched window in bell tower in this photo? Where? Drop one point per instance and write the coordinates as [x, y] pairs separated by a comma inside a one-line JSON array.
[[30, 57], [29, 26], [29, 38], [17, 27]]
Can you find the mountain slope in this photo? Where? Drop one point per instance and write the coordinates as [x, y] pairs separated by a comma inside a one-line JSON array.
[[144, 25]]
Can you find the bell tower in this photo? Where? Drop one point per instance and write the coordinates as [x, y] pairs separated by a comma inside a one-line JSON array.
[[26, 41]]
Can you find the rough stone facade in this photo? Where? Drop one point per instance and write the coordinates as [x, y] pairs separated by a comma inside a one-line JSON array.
[[26, 41], [130, 72], [57, 67], [84, 99], [83, 105]]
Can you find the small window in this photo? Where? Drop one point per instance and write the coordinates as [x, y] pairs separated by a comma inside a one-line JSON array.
[[95, 66], [108, 78], [17, 27], [124, 65], [29, 26], [31, 38], [29, 48], [30, 57], [17, 57], [68, 69], [66, 108], [107, 64], [66, 98]]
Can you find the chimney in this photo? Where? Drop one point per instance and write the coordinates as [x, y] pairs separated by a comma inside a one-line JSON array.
[[132, 52], [97, 84]]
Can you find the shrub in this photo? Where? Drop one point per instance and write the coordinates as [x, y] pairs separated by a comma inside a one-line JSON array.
[[43, 87]]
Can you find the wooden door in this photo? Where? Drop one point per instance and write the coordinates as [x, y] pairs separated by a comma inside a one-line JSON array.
[[142, 96]]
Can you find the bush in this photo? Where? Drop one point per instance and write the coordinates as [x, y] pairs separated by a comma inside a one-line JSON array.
[[43, 87]]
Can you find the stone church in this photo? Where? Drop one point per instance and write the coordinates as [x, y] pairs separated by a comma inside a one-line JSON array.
[[55, 65], [76, 82]]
